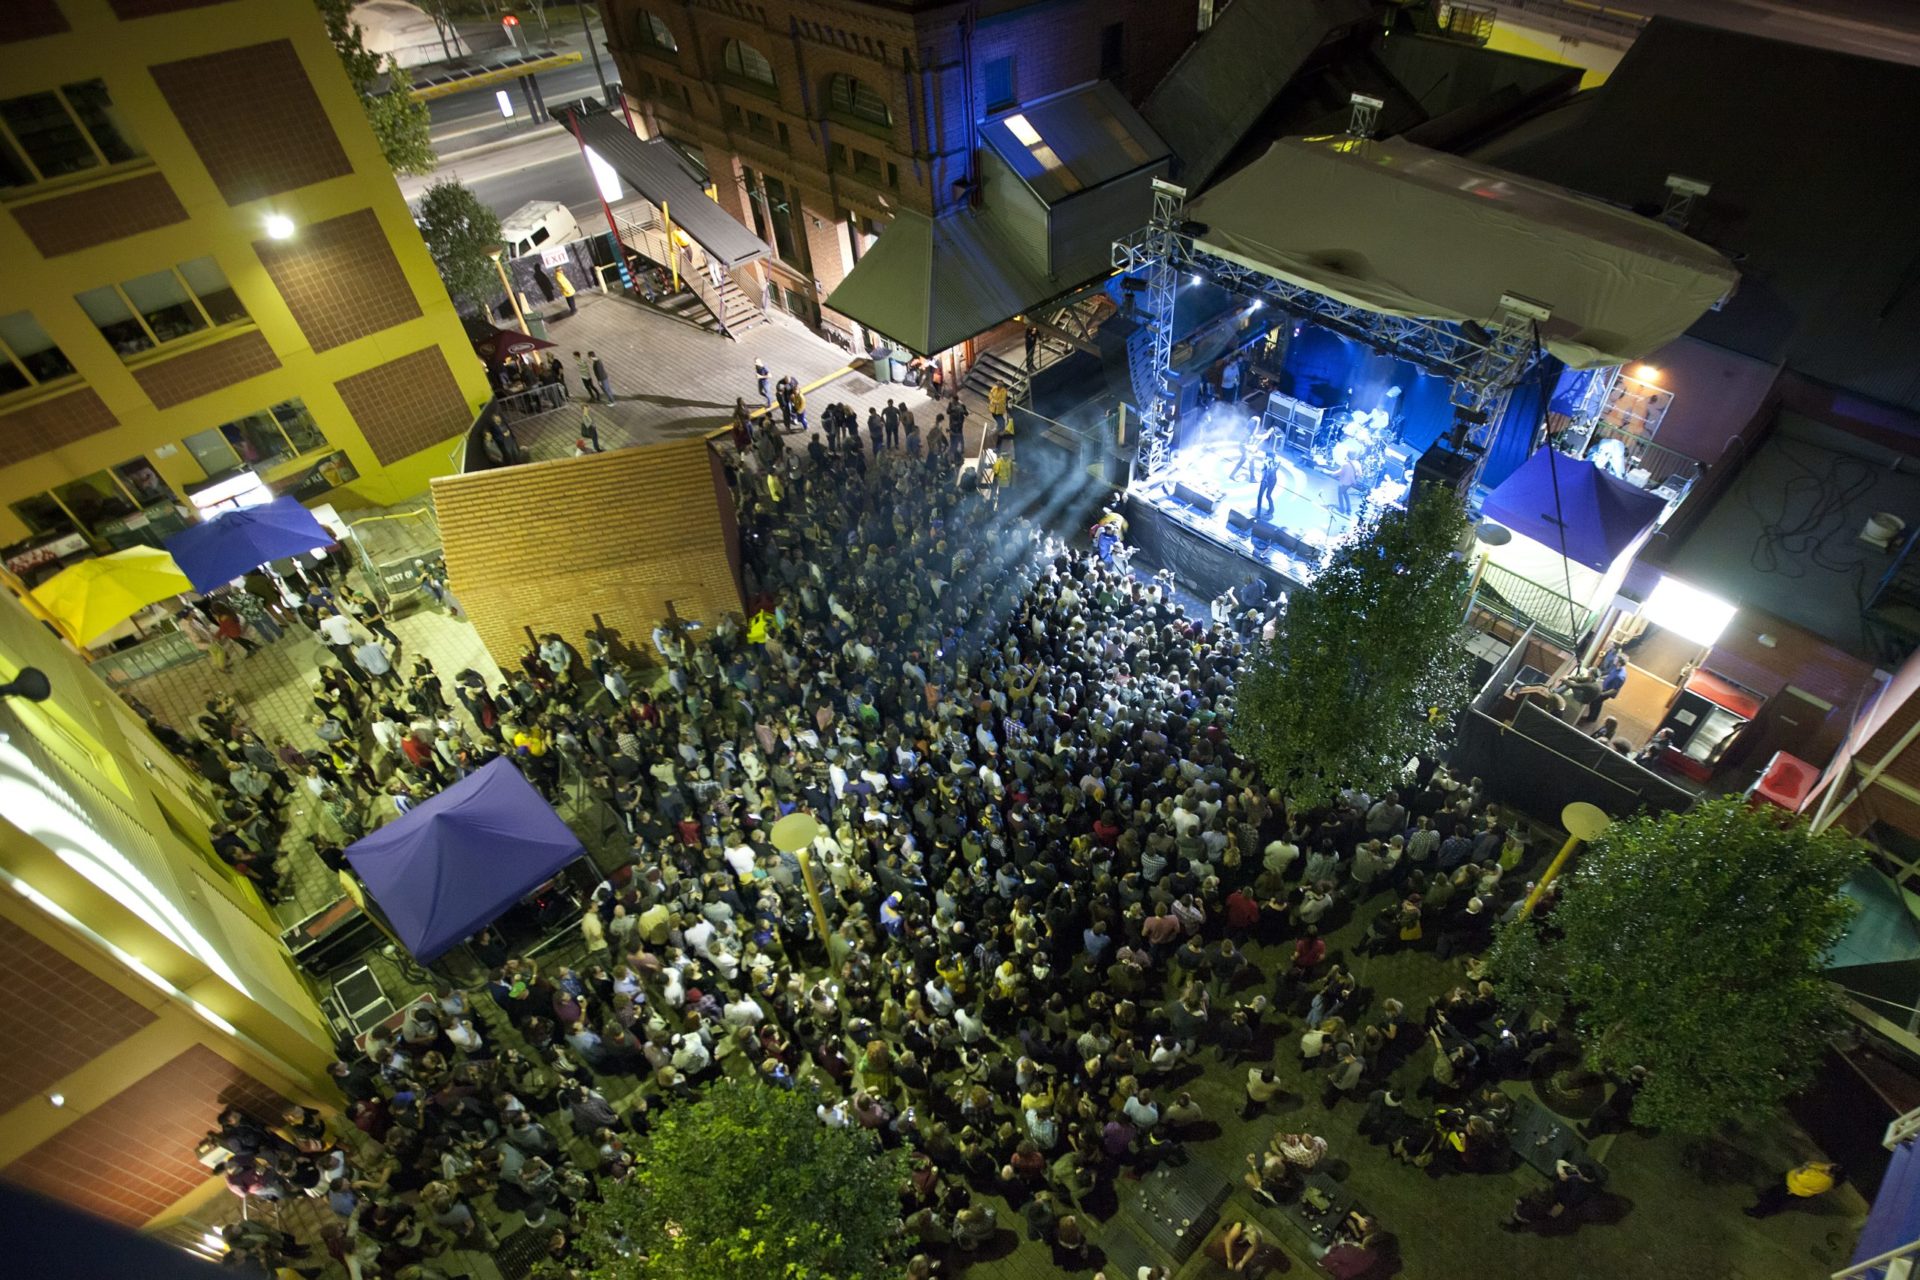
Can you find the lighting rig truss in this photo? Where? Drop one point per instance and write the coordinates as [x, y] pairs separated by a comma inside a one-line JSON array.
[[1482, 364]]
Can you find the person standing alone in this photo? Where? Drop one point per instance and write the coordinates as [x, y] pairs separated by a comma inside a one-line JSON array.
[[599, 367]]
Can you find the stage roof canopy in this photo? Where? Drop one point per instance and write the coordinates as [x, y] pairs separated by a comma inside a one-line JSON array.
[[1398, 229], [452, 865]]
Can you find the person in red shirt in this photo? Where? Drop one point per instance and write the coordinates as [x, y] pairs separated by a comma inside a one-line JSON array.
[[689, 830], [1308, 951], [1243, 911]]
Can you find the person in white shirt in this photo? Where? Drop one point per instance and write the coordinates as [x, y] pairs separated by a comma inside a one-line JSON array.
[[744, 1012]]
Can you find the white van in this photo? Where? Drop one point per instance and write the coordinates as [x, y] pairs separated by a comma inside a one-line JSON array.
[[536, 225]]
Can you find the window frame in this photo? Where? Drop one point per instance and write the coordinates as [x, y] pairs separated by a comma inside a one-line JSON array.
[[654, 34], [271, 416], [101, 164], [155, 342], [736, 66], [850, 109], [1006, 100], [18, 362]]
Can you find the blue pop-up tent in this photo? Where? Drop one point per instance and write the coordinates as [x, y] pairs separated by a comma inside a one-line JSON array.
[[216, 552], [451, 866]]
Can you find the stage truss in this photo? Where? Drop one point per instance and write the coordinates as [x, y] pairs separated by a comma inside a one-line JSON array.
[[1482, 365]]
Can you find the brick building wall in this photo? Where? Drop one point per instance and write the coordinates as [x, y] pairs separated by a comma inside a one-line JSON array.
[[838, 170], [619, 535]]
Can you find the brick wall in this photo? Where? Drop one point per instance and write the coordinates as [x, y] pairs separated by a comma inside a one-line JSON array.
[[619, 534], [253, 117], [133, 1155], [405, 405], [205, 370], [83, 219], [912, 60], [340, 279], [55, 1017], [49, 424]]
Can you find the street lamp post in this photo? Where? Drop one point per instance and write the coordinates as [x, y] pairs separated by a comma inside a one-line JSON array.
[[512, 296]]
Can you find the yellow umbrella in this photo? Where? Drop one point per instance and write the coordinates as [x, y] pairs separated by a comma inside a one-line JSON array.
[[95, 595]]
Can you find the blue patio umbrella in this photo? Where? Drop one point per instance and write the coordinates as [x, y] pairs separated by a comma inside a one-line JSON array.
[[232, 543]]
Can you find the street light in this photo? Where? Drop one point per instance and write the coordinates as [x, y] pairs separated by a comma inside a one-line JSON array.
[[279, 226]]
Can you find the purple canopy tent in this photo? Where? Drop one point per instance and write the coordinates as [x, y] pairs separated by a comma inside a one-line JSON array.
[[232, 543], [449, 867], [1599, 515]]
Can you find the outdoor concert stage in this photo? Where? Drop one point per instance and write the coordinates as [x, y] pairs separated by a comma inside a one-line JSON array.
[[1196, 516]]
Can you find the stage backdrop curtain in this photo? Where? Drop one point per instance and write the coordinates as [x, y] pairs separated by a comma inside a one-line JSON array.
[[1519, 426]]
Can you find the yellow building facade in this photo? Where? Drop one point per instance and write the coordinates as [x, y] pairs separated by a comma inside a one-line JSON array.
[[208, 269], [143, 985]]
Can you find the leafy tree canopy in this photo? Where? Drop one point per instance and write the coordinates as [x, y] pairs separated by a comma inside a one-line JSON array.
[[1365, 670], [402, 125], [1693, 945], [462, 235], [747, 1184]]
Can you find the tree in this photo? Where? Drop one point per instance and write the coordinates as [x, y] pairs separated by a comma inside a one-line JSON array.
[[1365, 670], [1693, 945], [462, 235], [401, 124], [747, 1184]]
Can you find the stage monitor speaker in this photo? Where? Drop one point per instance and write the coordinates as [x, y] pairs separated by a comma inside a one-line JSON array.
[[1238, 521], [1264, 532], [1194, 498], [1440, 467]]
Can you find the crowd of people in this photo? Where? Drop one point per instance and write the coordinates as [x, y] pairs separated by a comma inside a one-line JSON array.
[[1042, 866]]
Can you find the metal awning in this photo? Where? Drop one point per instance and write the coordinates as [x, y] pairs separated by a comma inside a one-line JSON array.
[[930, 283], [656, 171]]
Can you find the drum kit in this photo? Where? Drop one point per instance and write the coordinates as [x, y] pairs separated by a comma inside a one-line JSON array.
[[1358, 437]]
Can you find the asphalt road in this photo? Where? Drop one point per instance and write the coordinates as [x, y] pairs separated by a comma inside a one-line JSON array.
[[506, 163]]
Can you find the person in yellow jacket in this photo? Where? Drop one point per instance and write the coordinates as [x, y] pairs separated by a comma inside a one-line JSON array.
[[565, 286], [1802, 1182]]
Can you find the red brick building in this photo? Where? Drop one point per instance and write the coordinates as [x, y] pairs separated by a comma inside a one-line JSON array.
[[820, 120]]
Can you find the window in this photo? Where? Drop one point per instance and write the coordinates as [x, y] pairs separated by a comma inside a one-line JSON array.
[[259, 440], [61, 131], [999, 83], [748, 63], [28, 357], [137, 315], [854, 98], [653, 33], [1113, 51], [43, 517]]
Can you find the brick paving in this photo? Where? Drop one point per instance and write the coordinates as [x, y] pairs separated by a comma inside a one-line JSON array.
[[672, 380]]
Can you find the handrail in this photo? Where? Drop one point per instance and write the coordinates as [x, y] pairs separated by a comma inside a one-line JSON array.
[[1877, 1267], [650, 240], [1528, 601]]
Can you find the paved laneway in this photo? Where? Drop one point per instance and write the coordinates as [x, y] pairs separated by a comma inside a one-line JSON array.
[[672, 380]]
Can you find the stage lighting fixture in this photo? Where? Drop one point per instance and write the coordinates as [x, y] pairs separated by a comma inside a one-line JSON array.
[[1133, 284], [1476, 332], [1197, 280], [1194, 229]]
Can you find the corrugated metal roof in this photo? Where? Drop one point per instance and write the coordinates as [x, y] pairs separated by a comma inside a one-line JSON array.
[[1227, 79], [656, 170], [1814, 190]]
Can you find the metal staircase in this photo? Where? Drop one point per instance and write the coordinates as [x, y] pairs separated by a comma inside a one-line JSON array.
[[1892, 612], [1008, 369]]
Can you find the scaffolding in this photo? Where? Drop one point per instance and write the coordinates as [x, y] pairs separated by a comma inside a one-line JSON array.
[[1483, 364]]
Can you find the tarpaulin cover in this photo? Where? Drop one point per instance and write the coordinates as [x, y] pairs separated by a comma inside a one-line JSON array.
[[216, 552], [1552, 495], [1402, 230], [448, 867]]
